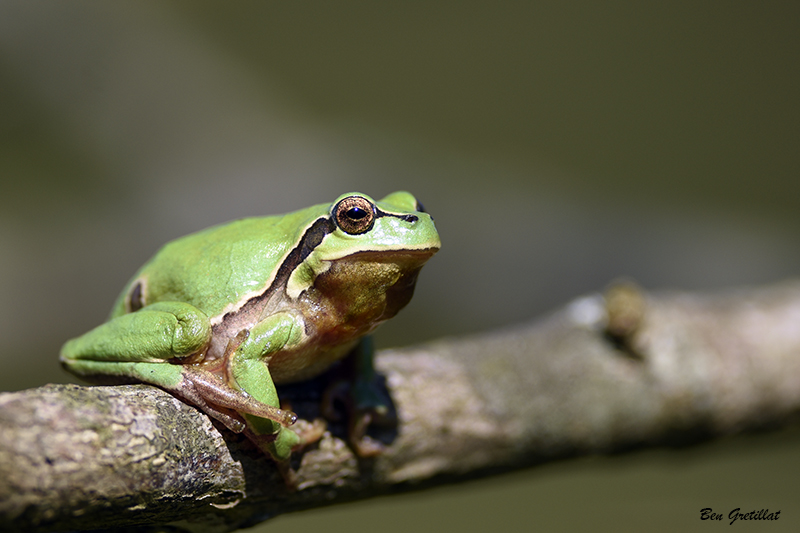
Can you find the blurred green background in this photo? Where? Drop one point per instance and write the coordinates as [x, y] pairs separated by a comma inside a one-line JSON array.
[[559, 145]]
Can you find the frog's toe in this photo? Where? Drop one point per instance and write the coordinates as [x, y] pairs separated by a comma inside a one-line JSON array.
[[366, 405], [363, 444], [308, 432]]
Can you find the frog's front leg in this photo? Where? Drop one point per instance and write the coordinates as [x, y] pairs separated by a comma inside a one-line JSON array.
[[248, 370]]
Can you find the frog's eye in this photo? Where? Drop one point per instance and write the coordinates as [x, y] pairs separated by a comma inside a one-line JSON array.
[[354, 214], [420, 208]]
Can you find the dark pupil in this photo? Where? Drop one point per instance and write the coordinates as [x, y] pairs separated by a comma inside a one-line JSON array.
[[356, 213]]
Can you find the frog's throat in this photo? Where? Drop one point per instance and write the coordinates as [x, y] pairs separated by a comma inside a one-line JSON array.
[[404, 256]]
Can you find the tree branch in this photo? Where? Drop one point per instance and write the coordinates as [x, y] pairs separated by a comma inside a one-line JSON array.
[[601, 374]]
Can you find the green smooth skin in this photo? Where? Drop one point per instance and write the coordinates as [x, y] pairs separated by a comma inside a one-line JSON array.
[[209, 315]]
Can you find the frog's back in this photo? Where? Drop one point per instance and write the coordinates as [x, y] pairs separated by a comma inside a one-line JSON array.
[[220, 267]]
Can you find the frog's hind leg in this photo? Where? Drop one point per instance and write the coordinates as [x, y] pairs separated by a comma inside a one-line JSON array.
[[156, 373], [213, 390], [364, 399], [171, 378]]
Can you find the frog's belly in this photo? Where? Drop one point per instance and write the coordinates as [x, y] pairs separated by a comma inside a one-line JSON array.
[[300, 364]]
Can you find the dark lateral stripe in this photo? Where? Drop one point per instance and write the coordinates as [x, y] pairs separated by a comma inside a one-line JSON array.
[[310, 240], [407, 218]]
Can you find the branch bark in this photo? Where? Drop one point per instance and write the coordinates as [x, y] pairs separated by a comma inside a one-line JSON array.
[[602, 374]]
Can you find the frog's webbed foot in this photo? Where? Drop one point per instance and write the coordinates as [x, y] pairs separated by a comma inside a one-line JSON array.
[[220, 401], [365, 405]]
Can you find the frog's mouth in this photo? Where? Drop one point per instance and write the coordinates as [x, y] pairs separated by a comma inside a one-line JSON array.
[[403, 257]]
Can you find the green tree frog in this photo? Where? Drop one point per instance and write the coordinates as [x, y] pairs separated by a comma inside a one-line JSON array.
[[221, 316]]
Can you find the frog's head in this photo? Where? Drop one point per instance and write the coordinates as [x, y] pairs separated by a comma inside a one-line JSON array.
[[396, 225], [368, 252]]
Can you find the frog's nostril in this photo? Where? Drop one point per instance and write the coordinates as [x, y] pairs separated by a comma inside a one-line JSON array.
[[410, 218]]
